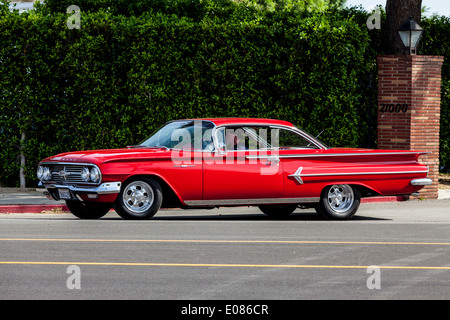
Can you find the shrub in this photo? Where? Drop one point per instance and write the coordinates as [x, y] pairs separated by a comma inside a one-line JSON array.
[[129, 70]]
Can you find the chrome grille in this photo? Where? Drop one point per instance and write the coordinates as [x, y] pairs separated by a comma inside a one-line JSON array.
[[67, 173]]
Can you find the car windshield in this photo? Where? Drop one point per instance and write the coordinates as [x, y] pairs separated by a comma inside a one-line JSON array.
[[188, 134]]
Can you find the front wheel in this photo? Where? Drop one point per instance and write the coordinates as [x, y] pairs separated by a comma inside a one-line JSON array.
[[339, 202], [139, 198], [88, 210]]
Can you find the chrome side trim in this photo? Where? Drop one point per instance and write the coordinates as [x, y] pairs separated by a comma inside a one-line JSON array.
[[333, 155], [75, 163], [421, 182], [358, 173], [232, 202], [297, 175], [104, 188]]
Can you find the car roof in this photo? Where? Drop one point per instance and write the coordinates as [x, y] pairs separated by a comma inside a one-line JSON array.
[[253, 121]]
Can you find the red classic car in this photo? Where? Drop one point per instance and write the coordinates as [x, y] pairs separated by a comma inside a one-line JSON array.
[[204, 163]]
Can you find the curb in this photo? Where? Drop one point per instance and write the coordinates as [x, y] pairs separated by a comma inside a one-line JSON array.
[[26, 208], [32, 208]]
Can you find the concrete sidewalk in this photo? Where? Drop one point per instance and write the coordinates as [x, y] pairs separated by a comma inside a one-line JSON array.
[[14, 200]]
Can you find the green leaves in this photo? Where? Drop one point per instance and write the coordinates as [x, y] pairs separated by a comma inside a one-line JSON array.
[[434, 42], [135, 65]]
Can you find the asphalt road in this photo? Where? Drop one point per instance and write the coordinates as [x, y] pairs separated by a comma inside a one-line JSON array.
[[388, 251]]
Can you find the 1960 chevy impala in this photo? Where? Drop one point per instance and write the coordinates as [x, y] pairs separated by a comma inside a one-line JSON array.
[[205, 163]]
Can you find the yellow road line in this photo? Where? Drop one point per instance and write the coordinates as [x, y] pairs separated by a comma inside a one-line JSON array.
[[151, 264], [229, 241]]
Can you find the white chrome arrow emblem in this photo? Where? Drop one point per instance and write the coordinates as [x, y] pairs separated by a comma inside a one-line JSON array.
[[297, 175], [63, 173]]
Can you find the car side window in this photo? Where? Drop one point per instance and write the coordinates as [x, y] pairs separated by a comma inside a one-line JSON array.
[[287, 139], [207, 143], [237, 138], [261, 138]]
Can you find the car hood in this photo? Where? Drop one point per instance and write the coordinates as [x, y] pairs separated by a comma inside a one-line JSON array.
[[108, 155]]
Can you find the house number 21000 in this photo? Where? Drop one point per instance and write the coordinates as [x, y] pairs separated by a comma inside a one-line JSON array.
[[394, 108]]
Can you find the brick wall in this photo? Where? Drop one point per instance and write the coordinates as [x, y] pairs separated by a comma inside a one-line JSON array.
[[409, 102]]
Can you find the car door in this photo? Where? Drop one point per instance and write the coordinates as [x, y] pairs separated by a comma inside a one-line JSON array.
[[298, 154], [236, 170]]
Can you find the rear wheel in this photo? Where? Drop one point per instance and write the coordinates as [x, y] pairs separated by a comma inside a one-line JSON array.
[[139, 198], [88, 210], [278, 210], [339, 202]]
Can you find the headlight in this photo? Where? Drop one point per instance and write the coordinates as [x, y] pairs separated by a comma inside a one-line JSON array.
[[85, 174], [40, 172], [95, 175], [46, 174], [43, 173]]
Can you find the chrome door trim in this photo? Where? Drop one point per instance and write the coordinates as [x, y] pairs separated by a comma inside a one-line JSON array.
[[334, 155], [356, 173], [233, 202]]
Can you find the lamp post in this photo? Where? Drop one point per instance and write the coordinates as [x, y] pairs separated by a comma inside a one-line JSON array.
[[410, 33]]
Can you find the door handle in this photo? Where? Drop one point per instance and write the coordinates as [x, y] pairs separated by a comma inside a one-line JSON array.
[[272, 161]]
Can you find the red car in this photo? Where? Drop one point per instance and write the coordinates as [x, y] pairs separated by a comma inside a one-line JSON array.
[[204, 163]]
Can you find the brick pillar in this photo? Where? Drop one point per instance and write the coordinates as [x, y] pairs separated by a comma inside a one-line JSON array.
[[409, 104]]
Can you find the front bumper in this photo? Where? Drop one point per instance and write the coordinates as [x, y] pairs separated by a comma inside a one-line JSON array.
[[105, 192]]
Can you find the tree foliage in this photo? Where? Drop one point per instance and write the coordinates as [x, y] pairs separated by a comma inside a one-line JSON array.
[[134, 65], [434, 42]]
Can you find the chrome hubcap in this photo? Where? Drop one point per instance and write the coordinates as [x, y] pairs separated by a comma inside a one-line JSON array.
[[138, 197], [340, 198]]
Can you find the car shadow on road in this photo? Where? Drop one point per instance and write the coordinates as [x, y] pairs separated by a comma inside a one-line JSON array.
[[303, 216], [307, 216], [186, 215]]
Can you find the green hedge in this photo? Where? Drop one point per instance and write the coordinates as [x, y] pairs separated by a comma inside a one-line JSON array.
[[435, 42], [134, 66]]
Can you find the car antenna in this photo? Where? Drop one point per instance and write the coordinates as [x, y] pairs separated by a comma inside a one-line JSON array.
[[320, 133]]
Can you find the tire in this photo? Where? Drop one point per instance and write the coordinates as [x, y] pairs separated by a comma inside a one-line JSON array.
[[278, 210], [139, 198], [339, 202], [88, 210]]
